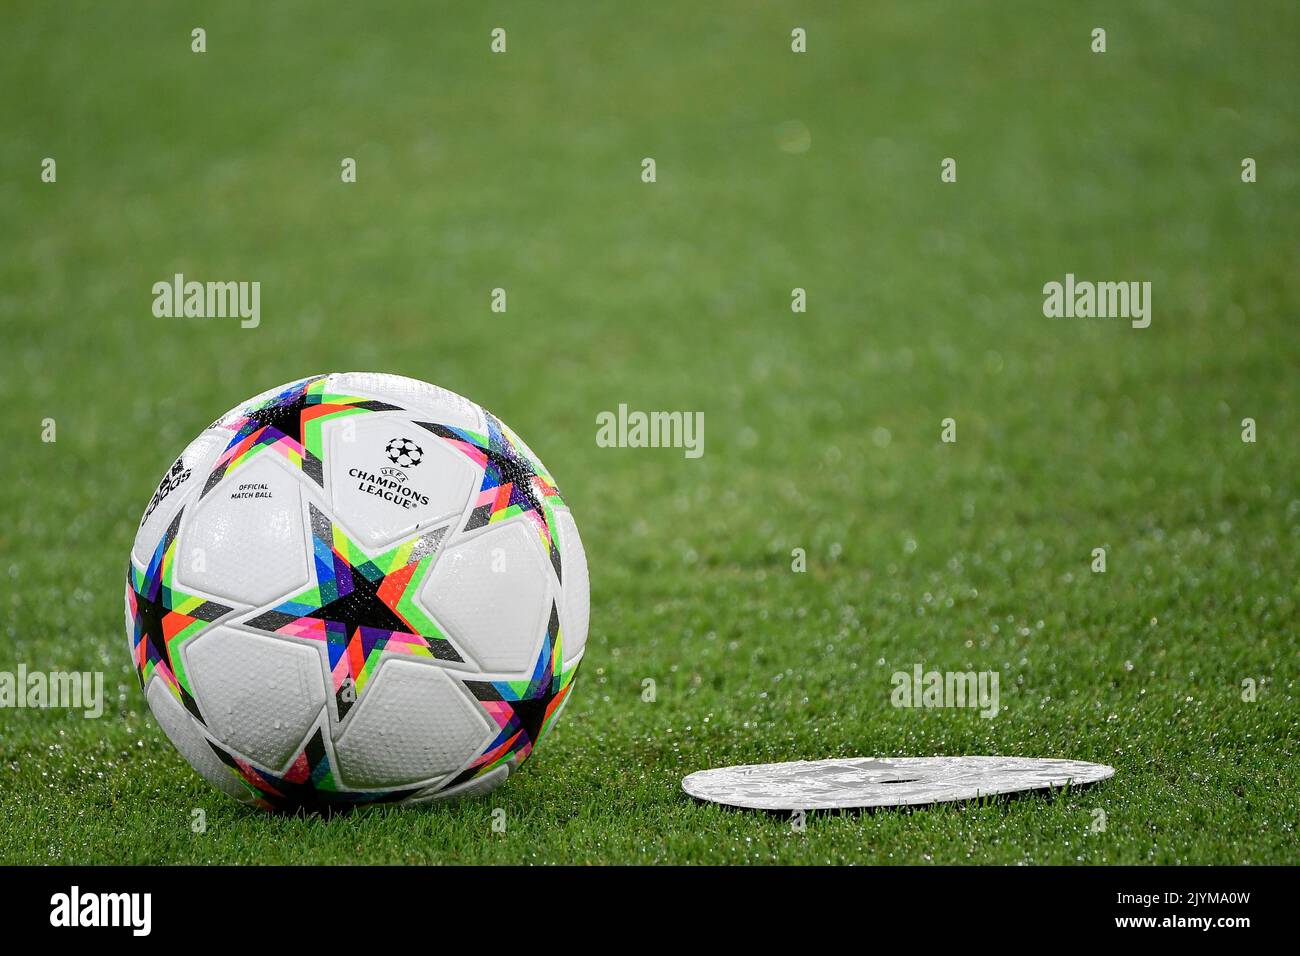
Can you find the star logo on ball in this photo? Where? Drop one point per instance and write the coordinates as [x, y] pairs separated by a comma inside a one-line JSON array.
[[361, 607], [404, 453]]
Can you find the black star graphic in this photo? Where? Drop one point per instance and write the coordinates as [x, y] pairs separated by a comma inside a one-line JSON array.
[[155, 602], [520, 708], [285, 418], [357, 605], [149, 616], [505, 466], [362, 607], [514, 469], [531, 714], [309, 785]]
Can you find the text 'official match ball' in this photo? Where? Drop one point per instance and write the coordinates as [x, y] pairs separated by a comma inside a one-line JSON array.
[[356, 588]]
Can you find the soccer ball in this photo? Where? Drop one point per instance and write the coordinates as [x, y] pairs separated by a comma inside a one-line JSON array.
[[356, 588]]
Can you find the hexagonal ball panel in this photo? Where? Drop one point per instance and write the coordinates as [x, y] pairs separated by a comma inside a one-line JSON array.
[[187, 737], [575, 615], [492, 593], [260, 694], [246, 540], [413, 723], [388, 478]]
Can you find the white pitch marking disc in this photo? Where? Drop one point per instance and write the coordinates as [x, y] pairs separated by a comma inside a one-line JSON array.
[[884, 781]]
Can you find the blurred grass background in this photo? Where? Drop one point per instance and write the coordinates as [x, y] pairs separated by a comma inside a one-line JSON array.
[[775, 171]]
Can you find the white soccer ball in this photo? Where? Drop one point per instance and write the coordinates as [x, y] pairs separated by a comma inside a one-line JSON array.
[[356, 588]]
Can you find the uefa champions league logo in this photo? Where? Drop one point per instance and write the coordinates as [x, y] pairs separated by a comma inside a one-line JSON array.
[[390, 483], [404, 453]]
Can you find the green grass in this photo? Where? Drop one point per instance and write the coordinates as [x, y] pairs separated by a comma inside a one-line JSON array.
[[522, 171]]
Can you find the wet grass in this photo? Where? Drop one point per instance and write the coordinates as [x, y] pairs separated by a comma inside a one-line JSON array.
[[924, 302]]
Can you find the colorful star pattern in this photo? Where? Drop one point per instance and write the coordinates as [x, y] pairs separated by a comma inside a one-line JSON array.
[[523, 709], [290, 423], [308, 784], [165, 618], [514, 482], [361, 606]]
